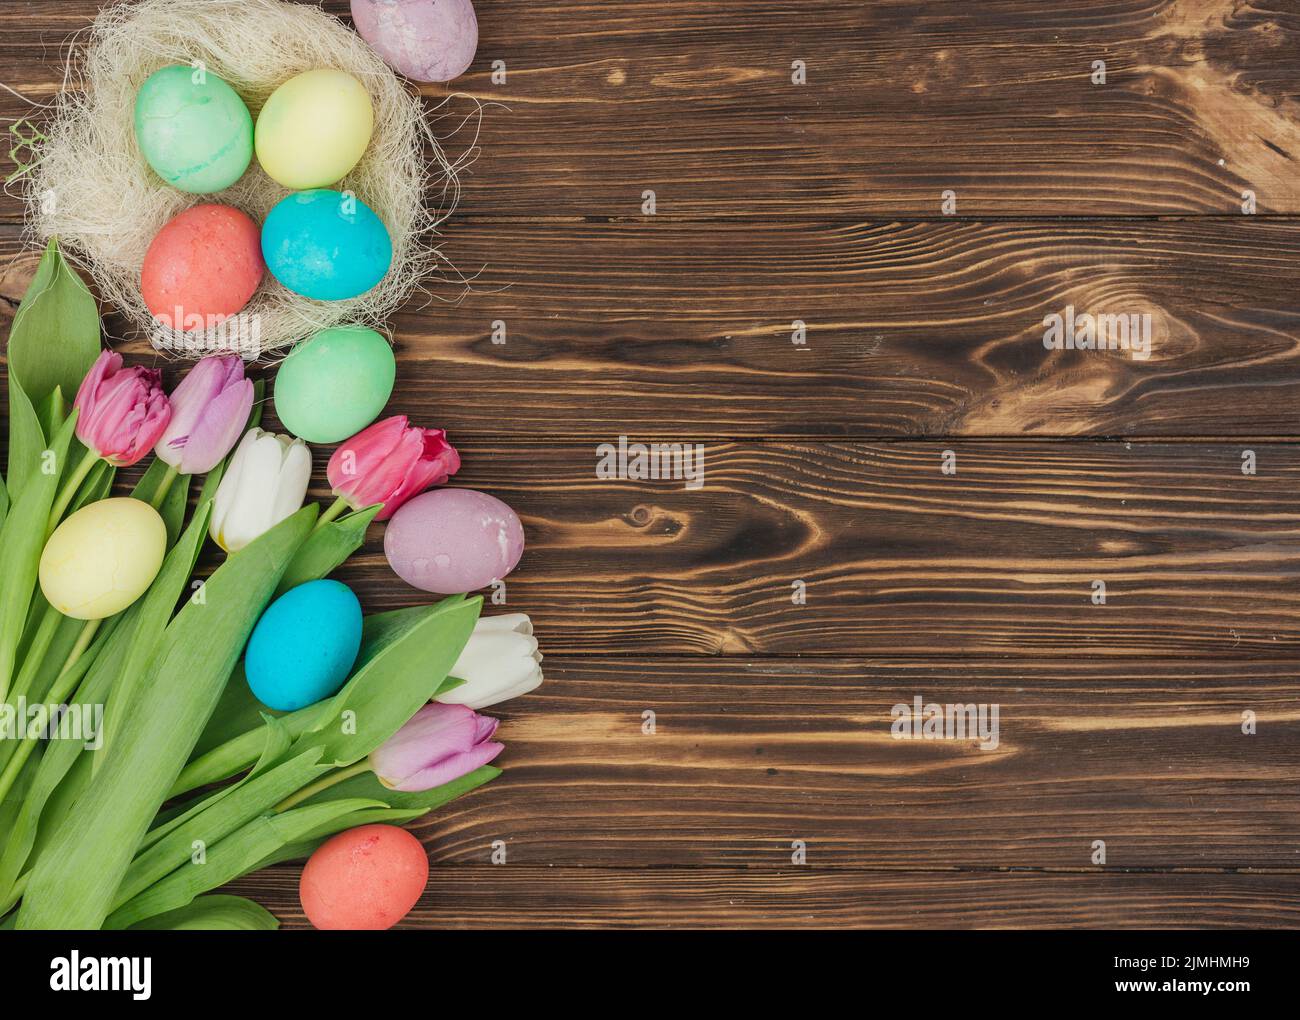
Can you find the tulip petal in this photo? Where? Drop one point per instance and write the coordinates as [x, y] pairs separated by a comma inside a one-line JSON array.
[[449, 768], [217, 429], [526, 686], [291, 481], [250, 512], [225, 496], [517, 622]]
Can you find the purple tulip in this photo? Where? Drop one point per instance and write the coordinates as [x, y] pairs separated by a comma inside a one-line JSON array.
[[439, 743], [209, 411]]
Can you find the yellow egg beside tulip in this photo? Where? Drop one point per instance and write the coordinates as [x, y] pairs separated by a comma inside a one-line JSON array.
[[314, 129], [103, 558]]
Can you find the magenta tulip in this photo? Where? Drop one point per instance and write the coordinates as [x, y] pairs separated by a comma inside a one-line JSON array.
[[440, 743], [122, 411], [390, 462], [209, 412]]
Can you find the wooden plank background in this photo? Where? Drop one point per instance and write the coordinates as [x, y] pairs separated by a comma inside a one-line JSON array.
[[820, 203]]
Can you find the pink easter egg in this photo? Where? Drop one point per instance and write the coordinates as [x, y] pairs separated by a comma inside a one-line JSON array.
[[365, 879], [428, 40], [202, 267], [453, 540]]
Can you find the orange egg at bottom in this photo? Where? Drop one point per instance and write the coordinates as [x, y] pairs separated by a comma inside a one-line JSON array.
[[366, 878], [202, 267]]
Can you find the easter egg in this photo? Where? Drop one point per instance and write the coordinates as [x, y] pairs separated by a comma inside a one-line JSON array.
[[193, 129], [326, 245], [335, 384], [428, 40], [202, 267], [453, 540], [314, 129], [365, 879], [303, 647], [102, 558]]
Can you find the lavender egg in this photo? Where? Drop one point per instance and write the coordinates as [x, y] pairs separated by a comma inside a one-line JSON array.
[[428, 40], [453, 540]]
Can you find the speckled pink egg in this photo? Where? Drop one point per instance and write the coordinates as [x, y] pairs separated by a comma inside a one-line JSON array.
[[365, 879], [453, 540], [202, 267], [428, 40]]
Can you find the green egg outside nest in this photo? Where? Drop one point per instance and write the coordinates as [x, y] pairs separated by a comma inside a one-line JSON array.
[[335, 384]]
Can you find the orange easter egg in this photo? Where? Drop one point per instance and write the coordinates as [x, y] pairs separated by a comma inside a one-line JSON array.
[[367, 878], [202, 268]]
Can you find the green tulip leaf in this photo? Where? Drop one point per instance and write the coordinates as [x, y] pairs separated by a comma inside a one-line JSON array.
[[403, 808], [51, 411], [229, 858], [327, 548], [76, 877], [276, 742], [21, 543], [212, 913], [148, 624], [26, 439], [55, 334], [244, 803], [175, 500]]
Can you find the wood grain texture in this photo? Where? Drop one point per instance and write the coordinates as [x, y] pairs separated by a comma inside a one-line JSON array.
[[494, 897], [904, 100], [821, 203], [747, 757], [684, 329]]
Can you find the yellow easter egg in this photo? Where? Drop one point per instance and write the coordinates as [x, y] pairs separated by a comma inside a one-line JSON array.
[[103, 558], [314, 129]]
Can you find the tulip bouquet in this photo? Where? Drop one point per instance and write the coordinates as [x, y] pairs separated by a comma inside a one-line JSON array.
[[137, 771]]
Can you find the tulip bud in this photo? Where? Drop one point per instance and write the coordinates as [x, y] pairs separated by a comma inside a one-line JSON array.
[[122, 411], [209, 410], [390, 462], [264, 483], [500, 661], [439, 743]]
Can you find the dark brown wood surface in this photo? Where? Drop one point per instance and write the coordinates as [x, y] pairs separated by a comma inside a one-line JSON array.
[[824, 462]]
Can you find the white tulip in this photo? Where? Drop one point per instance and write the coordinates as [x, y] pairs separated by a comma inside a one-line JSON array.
[[500, 662], [264, 483]]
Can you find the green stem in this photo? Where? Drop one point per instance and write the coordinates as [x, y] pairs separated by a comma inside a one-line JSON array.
[[69, 489], [87, 635], [335, 777], [64, 685], [336, 508], [36, 652], [164, 487]]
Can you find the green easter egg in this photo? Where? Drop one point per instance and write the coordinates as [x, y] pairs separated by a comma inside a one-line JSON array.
[[193, 129], [335, 384]]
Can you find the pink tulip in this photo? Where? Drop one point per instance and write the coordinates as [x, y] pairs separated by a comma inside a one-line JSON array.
[[123, 411], [389, 463], [209, 412], [439, 744]]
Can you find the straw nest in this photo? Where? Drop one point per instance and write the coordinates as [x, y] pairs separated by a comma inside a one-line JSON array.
[[90, 187]]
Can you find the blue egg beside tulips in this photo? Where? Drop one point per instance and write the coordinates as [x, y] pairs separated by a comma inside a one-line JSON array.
[[327, 245], [304, 646]]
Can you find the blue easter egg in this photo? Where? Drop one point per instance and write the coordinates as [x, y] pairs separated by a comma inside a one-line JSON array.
[[326, 245], [304, 646]]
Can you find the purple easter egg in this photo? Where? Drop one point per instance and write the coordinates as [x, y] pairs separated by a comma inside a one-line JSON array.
[[453, 540], [428, 40]]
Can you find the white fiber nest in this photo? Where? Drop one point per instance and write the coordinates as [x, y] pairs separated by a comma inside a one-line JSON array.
[[91, 187]]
